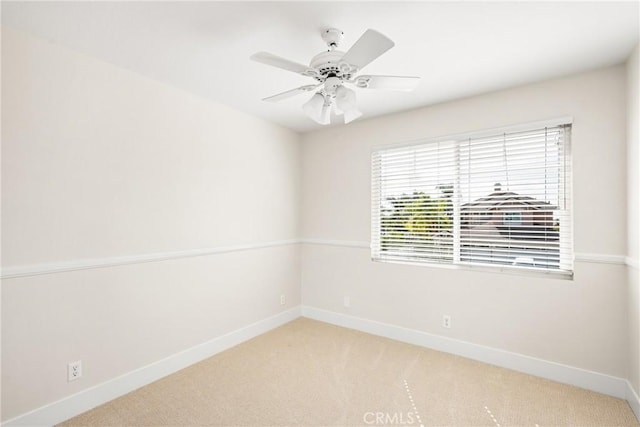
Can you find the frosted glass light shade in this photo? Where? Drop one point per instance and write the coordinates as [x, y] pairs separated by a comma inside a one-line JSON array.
[[351, 115], [314, 108], [346, 102]]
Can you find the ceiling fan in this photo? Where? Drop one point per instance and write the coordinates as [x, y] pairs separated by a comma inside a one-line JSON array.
[[332, 69]]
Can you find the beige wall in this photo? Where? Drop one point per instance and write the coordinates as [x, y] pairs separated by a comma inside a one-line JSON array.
[[633, 217], [99, 162], [582, 323]]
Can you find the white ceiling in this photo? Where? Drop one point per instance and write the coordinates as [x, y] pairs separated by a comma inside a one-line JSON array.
[[457, 48]]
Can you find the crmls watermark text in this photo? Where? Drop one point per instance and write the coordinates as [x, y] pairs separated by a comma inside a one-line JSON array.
[[389, 418]]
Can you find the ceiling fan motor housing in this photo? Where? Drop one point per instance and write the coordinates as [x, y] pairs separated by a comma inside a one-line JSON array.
[[330, 64]]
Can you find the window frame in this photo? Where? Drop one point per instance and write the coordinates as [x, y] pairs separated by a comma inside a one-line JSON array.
[[456, 262]]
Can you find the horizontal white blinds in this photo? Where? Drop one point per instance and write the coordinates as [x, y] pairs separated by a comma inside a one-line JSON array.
[[500, 200]]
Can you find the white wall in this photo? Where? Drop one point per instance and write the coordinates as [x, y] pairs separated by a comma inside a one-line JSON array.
[[582, 323], [99, 162], [633, 217]]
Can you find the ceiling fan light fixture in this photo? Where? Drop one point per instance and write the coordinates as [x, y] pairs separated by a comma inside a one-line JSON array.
[[332, 84], [345, 98], [325, 115], [346, 102], [314, 108], [351, 115]]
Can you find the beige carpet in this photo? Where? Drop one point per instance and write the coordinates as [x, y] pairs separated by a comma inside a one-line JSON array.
[[308, 373]]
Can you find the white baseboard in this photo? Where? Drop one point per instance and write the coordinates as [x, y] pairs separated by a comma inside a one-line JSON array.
[[589, 380], [634, 400], [76, 404]]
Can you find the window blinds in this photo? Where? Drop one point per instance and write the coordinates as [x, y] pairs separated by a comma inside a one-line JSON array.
[[498, 200]]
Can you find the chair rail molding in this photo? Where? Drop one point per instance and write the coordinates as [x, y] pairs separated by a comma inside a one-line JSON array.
[[84, 264]]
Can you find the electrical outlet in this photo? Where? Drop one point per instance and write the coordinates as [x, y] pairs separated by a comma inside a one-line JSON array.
[[283, 300], [446, 321], [346, 302], [74, 370]]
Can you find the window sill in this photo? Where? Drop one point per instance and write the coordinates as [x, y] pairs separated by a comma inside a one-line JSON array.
[[516, 271]]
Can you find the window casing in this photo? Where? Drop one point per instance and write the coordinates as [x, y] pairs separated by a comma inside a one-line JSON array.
[[497, 199]]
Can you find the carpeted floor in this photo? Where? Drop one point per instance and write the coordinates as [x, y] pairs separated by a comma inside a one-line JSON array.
[[308, 373]]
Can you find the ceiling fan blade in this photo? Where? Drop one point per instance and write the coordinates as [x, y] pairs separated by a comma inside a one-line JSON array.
[[276, 61], [405, 83], [290, 93], [369, 46]]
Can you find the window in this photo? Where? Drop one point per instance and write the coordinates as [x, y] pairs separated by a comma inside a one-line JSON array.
[[492, 199], [512, 218]]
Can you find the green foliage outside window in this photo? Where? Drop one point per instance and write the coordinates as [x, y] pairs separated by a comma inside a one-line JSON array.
[[417, 219]]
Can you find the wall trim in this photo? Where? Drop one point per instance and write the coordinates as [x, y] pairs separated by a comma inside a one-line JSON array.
[[634, 400], [345, 243], [600, 258], [580, 257], [566, 374], [64, 266], [85, 264], [85, 400]]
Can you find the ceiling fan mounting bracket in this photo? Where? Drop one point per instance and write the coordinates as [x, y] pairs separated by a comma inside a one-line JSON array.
[[332, 37]]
